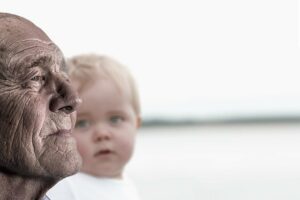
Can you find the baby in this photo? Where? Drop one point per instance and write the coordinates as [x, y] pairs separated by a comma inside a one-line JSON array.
[[105, 131]]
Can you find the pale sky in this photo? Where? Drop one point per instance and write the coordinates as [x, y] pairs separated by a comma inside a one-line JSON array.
[[190, 57]]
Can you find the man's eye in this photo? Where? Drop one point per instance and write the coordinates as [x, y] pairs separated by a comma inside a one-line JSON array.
[[82, 124], [116, 119], [35, 82], [38, 78]]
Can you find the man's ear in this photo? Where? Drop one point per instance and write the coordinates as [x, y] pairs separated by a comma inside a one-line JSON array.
[[138, 122]]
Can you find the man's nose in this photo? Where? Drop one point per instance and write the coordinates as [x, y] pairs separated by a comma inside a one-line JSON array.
[[65, 99]]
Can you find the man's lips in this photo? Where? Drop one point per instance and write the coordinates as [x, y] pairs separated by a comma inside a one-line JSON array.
[[62, 132]]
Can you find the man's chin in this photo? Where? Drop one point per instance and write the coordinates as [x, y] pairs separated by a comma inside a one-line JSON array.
[[61, 156], [63, 168], [60, 164]]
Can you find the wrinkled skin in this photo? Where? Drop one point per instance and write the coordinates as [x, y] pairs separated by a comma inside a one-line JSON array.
[[37, 107]]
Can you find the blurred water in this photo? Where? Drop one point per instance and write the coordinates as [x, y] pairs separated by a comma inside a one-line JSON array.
[[229, 162]]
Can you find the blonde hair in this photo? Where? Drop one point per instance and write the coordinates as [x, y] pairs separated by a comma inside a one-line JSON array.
[[88, 68]]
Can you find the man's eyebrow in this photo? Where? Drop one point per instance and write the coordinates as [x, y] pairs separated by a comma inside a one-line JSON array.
[[29, 62], [40, 61]]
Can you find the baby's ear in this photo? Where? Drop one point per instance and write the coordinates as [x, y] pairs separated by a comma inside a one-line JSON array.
[[138, 122]]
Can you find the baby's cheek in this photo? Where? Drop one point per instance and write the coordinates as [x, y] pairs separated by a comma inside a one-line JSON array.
[[82, 147], [127, 147]]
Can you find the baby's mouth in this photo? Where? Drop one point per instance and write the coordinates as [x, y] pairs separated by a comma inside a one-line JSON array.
[[103, 152]]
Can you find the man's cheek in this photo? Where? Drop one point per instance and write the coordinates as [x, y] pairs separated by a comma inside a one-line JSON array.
[[11, 116], [22, 122]]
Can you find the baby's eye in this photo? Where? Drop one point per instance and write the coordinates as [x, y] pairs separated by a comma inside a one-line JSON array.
[[116, 119], [82, 124]]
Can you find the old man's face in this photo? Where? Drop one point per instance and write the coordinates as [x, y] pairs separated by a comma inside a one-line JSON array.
[[36, 104]]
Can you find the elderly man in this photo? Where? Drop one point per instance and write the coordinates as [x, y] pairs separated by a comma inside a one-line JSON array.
[[37, 107]]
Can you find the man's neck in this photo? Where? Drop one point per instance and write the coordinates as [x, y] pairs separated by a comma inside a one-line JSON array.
[[14, 187]]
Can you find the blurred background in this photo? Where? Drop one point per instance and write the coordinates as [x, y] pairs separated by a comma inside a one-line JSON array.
[[219, 86]]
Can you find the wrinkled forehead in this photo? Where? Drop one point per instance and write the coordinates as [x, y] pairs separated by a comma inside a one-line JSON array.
[[17, 28], [20, 38]]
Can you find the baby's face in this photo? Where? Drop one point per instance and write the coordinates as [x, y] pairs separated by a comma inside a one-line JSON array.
[[105, 130]]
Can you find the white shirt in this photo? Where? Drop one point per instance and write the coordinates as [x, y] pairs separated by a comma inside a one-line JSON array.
[[86, 187]]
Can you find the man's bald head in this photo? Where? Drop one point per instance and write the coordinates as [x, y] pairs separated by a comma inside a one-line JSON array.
[[14, 28], [18, 34]]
